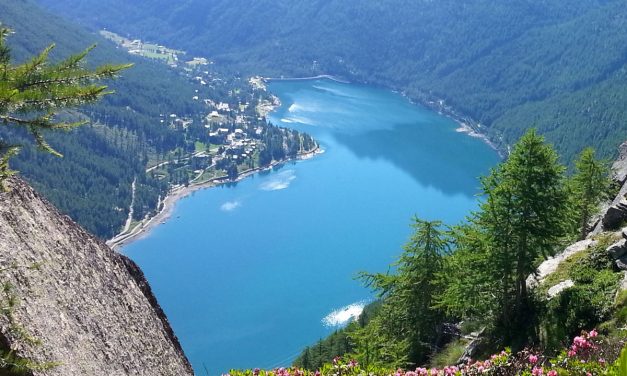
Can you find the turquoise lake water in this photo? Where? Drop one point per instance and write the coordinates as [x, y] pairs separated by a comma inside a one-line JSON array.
[[252, 273]]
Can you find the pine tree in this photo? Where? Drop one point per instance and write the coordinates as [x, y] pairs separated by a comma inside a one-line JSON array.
[[524, 218], [408, 316], [32, 93], [590, 185]]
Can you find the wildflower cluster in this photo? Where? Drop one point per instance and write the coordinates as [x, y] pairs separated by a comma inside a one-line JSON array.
[[582, 344], [584, 357]]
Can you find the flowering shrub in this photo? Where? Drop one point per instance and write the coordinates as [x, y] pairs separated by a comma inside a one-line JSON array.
[[585, 357]]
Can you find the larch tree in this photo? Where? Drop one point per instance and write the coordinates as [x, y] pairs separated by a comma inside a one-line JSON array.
[[525, 216], [590, 185], [408, 316], [33, 93]]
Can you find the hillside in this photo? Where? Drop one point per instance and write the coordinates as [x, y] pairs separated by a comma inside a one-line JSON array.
[[559, 66], [92, 183], [71, 301]]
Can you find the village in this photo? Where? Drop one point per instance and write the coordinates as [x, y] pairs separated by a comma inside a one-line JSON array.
[[231, 135]]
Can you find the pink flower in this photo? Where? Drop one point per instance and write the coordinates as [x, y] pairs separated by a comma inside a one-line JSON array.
[[352, 363], [256, 371], [552, 373], [537, 371], [533, 359], [593, 333], [602, 360], [579, 340], [433, 372], [571, 353]]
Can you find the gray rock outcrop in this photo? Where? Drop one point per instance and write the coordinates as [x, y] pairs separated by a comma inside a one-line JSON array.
[[618, 249], [550, 265], [619, 167], [555, 290], [613, 214], [91, 308]]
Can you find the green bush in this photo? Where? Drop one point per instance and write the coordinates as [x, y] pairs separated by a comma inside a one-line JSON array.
[[585, 305]]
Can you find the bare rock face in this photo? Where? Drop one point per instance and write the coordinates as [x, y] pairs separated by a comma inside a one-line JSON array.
[[618, 249], [551, 264], [90, 308], [557, 289], [614, 214], [620, 164]]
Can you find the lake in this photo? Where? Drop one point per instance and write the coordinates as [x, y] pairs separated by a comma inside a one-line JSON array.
[[250, 274]]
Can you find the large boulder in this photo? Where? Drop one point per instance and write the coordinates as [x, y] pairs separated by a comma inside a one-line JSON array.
[[618, 249], [621, 263], [615, 215]]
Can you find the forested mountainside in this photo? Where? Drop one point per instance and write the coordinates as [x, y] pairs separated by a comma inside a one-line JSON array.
[[93, 180], [557, 65], [166, 125]]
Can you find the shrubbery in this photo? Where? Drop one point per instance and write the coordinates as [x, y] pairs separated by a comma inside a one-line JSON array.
[[588, 354]]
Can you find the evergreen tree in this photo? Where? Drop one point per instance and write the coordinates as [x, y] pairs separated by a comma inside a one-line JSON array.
[[33, 92], [524, 218], [408, 317], [469, 277], [590, 185]]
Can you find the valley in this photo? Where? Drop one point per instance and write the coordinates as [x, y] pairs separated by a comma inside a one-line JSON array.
[[309, 227], [313, 187]]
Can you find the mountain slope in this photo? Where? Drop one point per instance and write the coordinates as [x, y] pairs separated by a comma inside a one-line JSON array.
[[92, 183], [78, 303], [509, 65]]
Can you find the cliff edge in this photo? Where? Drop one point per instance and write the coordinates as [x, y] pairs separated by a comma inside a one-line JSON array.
[[87, 308]]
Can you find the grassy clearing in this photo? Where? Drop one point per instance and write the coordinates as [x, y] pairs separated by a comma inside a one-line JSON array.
[[450, 354]]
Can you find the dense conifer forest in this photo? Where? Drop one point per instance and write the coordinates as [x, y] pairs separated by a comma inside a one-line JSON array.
[[126, 132], [508, 65]]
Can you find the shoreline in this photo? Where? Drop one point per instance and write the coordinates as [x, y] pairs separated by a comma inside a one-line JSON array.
[[465, 124], [327, 76], [169, 202]]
